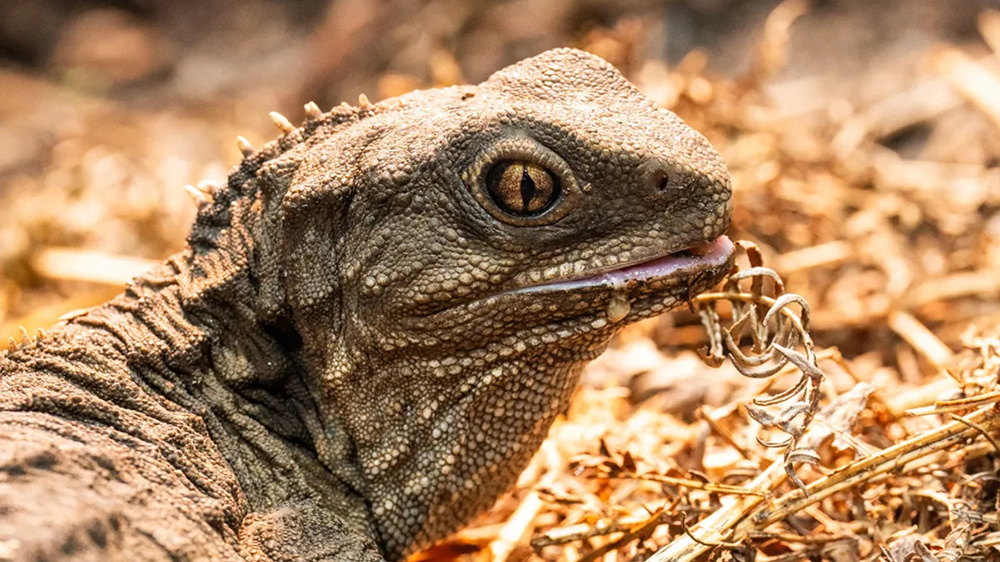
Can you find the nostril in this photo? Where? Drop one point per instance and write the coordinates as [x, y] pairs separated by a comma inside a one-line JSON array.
[[667, 180]]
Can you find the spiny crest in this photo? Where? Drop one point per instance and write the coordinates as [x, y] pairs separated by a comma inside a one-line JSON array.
[[313, 111], [291, 136], [214, 205], [245, 179], [281, 122], [203, 194], [363, 103], [13, 344], [244, 145]]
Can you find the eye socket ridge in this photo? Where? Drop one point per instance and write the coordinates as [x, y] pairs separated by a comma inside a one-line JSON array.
[[521, 182]]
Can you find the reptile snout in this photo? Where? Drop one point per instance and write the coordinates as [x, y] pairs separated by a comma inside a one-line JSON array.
[[665, 180], [704, 195]]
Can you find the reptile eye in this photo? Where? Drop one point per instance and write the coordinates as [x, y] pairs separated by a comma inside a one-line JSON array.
[[522, 183], [521, 188]]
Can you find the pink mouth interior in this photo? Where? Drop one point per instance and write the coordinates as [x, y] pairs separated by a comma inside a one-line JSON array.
[[709, 254]]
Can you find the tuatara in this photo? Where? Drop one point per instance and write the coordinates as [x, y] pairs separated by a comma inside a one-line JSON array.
[[375, 322]]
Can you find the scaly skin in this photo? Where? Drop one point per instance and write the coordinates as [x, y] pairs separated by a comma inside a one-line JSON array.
[[363, 345]]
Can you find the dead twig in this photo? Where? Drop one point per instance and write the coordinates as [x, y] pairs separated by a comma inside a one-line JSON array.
[[735, 522]]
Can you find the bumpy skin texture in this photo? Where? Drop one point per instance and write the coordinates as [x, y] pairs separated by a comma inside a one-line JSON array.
[[345, 364]]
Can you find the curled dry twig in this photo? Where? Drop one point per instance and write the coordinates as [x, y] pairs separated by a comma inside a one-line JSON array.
[[775, 338]]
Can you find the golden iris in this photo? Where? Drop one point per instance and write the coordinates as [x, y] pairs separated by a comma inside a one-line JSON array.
[[521, 188]]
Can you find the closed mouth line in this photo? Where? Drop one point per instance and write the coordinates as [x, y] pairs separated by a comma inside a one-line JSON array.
[[710, 255]]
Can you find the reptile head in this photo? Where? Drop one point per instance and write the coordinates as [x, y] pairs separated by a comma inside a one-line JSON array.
[[452, 257], [552, 202]]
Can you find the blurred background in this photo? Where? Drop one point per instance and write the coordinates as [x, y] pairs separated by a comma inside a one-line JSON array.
[[863, 140]]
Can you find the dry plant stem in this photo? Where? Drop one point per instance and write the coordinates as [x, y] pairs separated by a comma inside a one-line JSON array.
[[696, 485], [523, 520], [992, 539], [958, 404], [723, 433], [822, 518], [808, 539], [982, 430], [630, 535], [707, 298], [905, 403], [967, 402], [515, 528], [583, 531], [892, 458], [773, 48], [827, 254], [713, 417], [920, 103], [732, 523], [715, 527], [970, 77], [920, 338], [93, 267], [954, 286]]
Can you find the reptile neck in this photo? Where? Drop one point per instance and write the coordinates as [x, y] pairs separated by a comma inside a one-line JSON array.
[[202, 350]]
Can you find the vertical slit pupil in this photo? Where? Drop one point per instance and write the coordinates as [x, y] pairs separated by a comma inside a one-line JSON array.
[[527, 189], [521, 188]]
